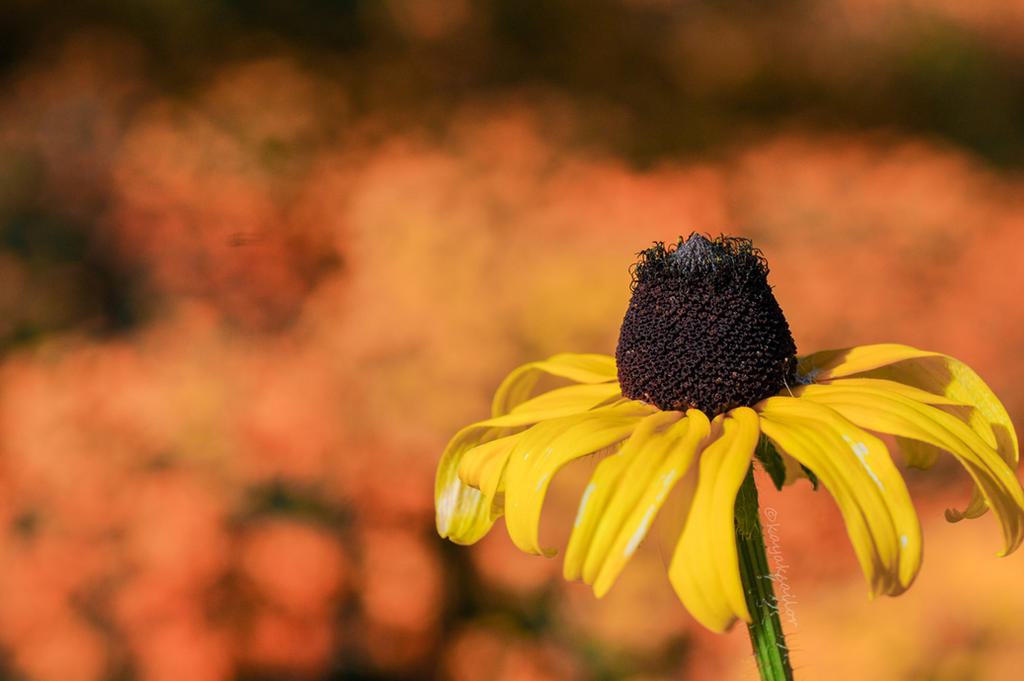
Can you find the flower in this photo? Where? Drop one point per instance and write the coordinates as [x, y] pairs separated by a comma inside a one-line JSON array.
[[704, 380]]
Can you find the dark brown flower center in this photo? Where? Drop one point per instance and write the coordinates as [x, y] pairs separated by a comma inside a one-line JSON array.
[[703, 329]]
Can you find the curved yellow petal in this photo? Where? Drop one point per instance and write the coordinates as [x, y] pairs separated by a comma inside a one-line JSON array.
[[965, 385], [828, 364], [483, 466], [790, 436], [705, 568], [602, 484], [573, 399], [918, 454], [544, 449], [856, 468], [602, 508], [463, 513], [611, 524], [952, 378], [581, 368], [897, 387], [976, 508], [889, 413]]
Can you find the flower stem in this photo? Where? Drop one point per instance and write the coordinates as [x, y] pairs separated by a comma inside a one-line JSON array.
[[765, 628]]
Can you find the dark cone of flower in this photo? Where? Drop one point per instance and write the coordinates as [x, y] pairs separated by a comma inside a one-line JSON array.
[[703, 329]]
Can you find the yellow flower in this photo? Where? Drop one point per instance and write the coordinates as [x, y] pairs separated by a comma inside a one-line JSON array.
[[706, 370]]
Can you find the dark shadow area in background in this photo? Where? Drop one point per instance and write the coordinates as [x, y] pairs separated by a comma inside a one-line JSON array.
[[927, 76], [652, 81]]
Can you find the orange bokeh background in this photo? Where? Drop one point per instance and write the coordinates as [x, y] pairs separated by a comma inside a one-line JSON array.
[[236, 483]]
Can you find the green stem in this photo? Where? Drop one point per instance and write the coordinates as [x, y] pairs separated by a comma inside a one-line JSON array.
[[765, 628]]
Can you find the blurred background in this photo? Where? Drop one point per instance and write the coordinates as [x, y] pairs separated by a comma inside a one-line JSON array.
[[260, 260]]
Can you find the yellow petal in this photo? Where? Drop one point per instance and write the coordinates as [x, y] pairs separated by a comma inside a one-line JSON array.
[[856, 468], [544, 449], [836, 363], [975, 508], [919, 454], [463, 513], [586, 368], [913, 380], [649, 467], [594, 529], [965, 385], [483, 466], [606, 477], [889, 413], [954, 379], [705, 569], [573, 399], [897, 387]]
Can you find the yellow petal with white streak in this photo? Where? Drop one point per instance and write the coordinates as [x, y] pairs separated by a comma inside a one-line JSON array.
[[792, 436], [544, 449], [594, 528], [962, 408], [610, 529], [954, 379], [888, 413], [705, 568], [606, 478], [856, 468], [463, 513]]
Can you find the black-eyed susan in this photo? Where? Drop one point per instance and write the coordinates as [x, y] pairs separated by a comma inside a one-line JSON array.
[[704, 380]]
